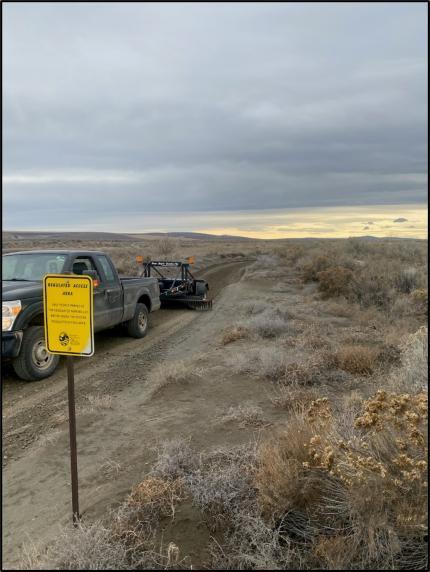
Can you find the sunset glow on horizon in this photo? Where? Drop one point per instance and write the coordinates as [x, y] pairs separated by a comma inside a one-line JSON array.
[[409, 221]]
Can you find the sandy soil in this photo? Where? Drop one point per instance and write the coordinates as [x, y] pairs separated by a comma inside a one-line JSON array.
[[117, 432]]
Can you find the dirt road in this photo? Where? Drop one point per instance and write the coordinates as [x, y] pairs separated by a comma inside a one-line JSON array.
[[116, 425]]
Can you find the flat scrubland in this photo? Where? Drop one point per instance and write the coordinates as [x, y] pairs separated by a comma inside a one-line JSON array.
[[287, 427], [124, 251]]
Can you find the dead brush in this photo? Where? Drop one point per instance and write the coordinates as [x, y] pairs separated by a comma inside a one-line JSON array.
[[223, 484], [134, 524], [178, 373], [165, 246], [314, 371], [408, 279], [157, 494], [420, 300], [334, 281], [369, 487], [49, 438], [251, 544], [175, 460], [59, 418], [97, 402], [98, 546], [317, 264], [313, 337], [233, 334], [87, 547], [373, 285], [253, 308], [111, 468], [389, 356], [265, 362], [281, 480], [357, 359], [32, 556], [269, 323], [412, 375], [293, 397], [246, 415], [341, 308]]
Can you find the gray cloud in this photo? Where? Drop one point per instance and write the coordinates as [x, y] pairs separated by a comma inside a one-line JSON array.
[[178, 107], [400, 219]]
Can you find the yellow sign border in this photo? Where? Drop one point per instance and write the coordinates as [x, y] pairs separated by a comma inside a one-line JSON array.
[[45, 314]]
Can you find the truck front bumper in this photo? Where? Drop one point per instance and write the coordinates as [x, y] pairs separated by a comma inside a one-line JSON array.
[[11, 344]]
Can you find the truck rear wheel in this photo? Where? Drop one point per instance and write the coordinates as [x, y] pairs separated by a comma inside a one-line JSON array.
[[137, 327], [34, 362]]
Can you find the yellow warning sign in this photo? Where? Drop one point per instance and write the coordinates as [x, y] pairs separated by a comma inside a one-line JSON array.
[[68, 309]]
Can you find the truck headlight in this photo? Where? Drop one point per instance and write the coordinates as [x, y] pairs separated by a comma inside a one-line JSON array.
[[10, 311]]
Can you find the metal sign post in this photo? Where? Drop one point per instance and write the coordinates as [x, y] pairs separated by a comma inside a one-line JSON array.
[[72, 432], [69, 331]]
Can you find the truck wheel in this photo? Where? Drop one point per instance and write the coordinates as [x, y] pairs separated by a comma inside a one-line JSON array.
[[137, 327], [34, 362]]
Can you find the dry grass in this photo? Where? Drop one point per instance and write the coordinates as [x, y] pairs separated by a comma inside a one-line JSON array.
[[97, 402], [341, 308], [88, 547], [357, 359], [59, 418], [420, 300], [314, 337], [175, 460], [266, 362], [111, 469], [253, 308], [48, 438], [222, 485], [126, 541], [233, 334], [177, 373], [156, 495], [293, 397], [370, 488], [412, 375], [166, 246], [246, 415], [383, 272], [270, 323], [314, 266], [319, 367]]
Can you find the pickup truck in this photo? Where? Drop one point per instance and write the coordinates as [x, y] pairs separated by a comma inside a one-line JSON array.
[[117, 300]]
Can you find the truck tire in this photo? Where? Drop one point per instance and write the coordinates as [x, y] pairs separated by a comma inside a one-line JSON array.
[[34, 362], [137, 327]]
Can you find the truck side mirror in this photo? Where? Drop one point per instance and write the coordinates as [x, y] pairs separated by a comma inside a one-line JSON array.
[[93, 274]]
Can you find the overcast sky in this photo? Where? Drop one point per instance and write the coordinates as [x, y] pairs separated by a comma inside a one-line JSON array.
[[114, 111]]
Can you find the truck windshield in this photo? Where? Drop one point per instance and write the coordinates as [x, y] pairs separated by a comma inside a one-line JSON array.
[[31, 266]]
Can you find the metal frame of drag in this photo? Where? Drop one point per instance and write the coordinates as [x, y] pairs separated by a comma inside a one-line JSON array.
[[183, 288]]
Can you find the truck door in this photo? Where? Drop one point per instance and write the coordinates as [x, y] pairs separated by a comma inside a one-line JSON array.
[[114, 290], [102, 316]]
